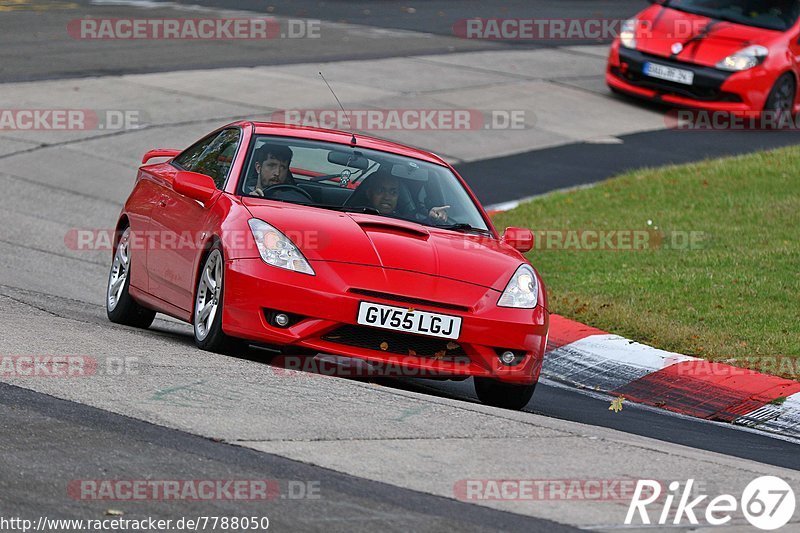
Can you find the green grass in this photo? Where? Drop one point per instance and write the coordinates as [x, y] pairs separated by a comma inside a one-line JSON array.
[[734, 298]]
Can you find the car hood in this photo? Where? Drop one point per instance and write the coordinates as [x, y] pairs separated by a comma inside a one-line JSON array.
[[327, 235], [670, 26]]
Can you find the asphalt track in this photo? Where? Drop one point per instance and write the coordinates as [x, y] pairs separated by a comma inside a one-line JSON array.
[[35, 46], [438, 16], [49, 302], [34, 425], [508, 178]]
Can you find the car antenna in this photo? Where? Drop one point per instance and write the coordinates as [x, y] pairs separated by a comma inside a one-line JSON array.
[[349, 124]]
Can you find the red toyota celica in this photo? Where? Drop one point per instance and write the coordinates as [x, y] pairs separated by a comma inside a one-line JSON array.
[[357, 247]]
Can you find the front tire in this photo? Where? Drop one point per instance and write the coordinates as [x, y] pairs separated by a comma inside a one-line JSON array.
[[121, 308], [781, 98], [207, 320], [505, 395]]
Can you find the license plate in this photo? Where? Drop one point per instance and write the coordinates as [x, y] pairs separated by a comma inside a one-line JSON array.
[[663, 72], [409, 321]]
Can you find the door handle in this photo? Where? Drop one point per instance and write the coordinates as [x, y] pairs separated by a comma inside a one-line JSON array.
[[162, 202]]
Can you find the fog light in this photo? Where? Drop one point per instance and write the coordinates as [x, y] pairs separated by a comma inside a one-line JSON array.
[[508, 357], [281, 320]]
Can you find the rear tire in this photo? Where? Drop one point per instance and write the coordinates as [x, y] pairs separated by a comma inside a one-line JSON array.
[[121, 308], [505, 395], [207, 316]]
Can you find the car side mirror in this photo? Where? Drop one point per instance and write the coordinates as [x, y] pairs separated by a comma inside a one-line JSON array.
[[194, 185], [520, 239]]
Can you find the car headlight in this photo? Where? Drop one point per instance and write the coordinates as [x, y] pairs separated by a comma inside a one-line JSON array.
[[522, 291], [744, 59], [276, 249], [627, 34]]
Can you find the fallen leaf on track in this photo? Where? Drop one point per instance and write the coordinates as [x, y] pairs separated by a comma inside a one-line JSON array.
[[616, 404]]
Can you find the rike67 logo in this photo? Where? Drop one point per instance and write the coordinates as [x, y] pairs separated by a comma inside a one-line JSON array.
[[767, 502]]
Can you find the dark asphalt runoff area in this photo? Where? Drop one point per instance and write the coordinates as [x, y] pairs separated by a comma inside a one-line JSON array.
[[521, 175], [35, 43], [439, 16], [50, 445]]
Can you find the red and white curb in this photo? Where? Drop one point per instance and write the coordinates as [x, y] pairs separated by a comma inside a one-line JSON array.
[[589, 358]]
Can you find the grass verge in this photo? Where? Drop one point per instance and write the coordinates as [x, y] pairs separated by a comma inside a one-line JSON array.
[[718, 276]]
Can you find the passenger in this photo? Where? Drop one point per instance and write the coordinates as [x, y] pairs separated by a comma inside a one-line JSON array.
[[383, 191]]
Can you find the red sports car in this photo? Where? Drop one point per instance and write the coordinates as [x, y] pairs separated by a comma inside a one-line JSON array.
[[328, 242], [735, 56]]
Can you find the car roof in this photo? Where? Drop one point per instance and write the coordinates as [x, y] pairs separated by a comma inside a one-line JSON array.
[[343, 137]]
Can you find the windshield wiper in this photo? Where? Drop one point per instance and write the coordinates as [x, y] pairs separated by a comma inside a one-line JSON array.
[[353, 209], [344, 208], [464, 227]]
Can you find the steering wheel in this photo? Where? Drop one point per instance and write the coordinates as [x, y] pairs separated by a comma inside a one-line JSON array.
[[270, 192]]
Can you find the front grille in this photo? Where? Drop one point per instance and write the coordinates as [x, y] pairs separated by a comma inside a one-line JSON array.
[[707, 84], [707, 94], [394, 342], [408, 300]]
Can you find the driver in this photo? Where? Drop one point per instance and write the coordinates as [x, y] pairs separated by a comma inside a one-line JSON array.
[[382, 192], [272, 167]]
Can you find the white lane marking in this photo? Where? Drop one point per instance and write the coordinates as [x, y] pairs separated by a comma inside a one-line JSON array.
[[513, 204], [606, 362], [604, 140], [621, 350]]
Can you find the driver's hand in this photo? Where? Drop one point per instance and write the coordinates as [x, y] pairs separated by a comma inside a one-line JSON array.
[[439, 214], [258, 192]]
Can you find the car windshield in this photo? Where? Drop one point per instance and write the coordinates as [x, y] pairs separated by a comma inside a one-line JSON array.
[[335, 176], [770, 14]]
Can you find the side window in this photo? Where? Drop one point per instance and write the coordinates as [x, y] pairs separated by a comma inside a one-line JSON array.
[[212, 156]]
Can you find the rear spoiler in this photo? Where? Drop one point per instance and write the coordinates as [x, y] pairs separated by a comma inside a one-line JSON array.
[[159, 152]]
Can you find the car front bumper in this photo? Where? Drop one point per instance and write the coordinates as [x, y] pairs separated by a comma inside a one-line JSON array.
[[324, 310], [740, 93]]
